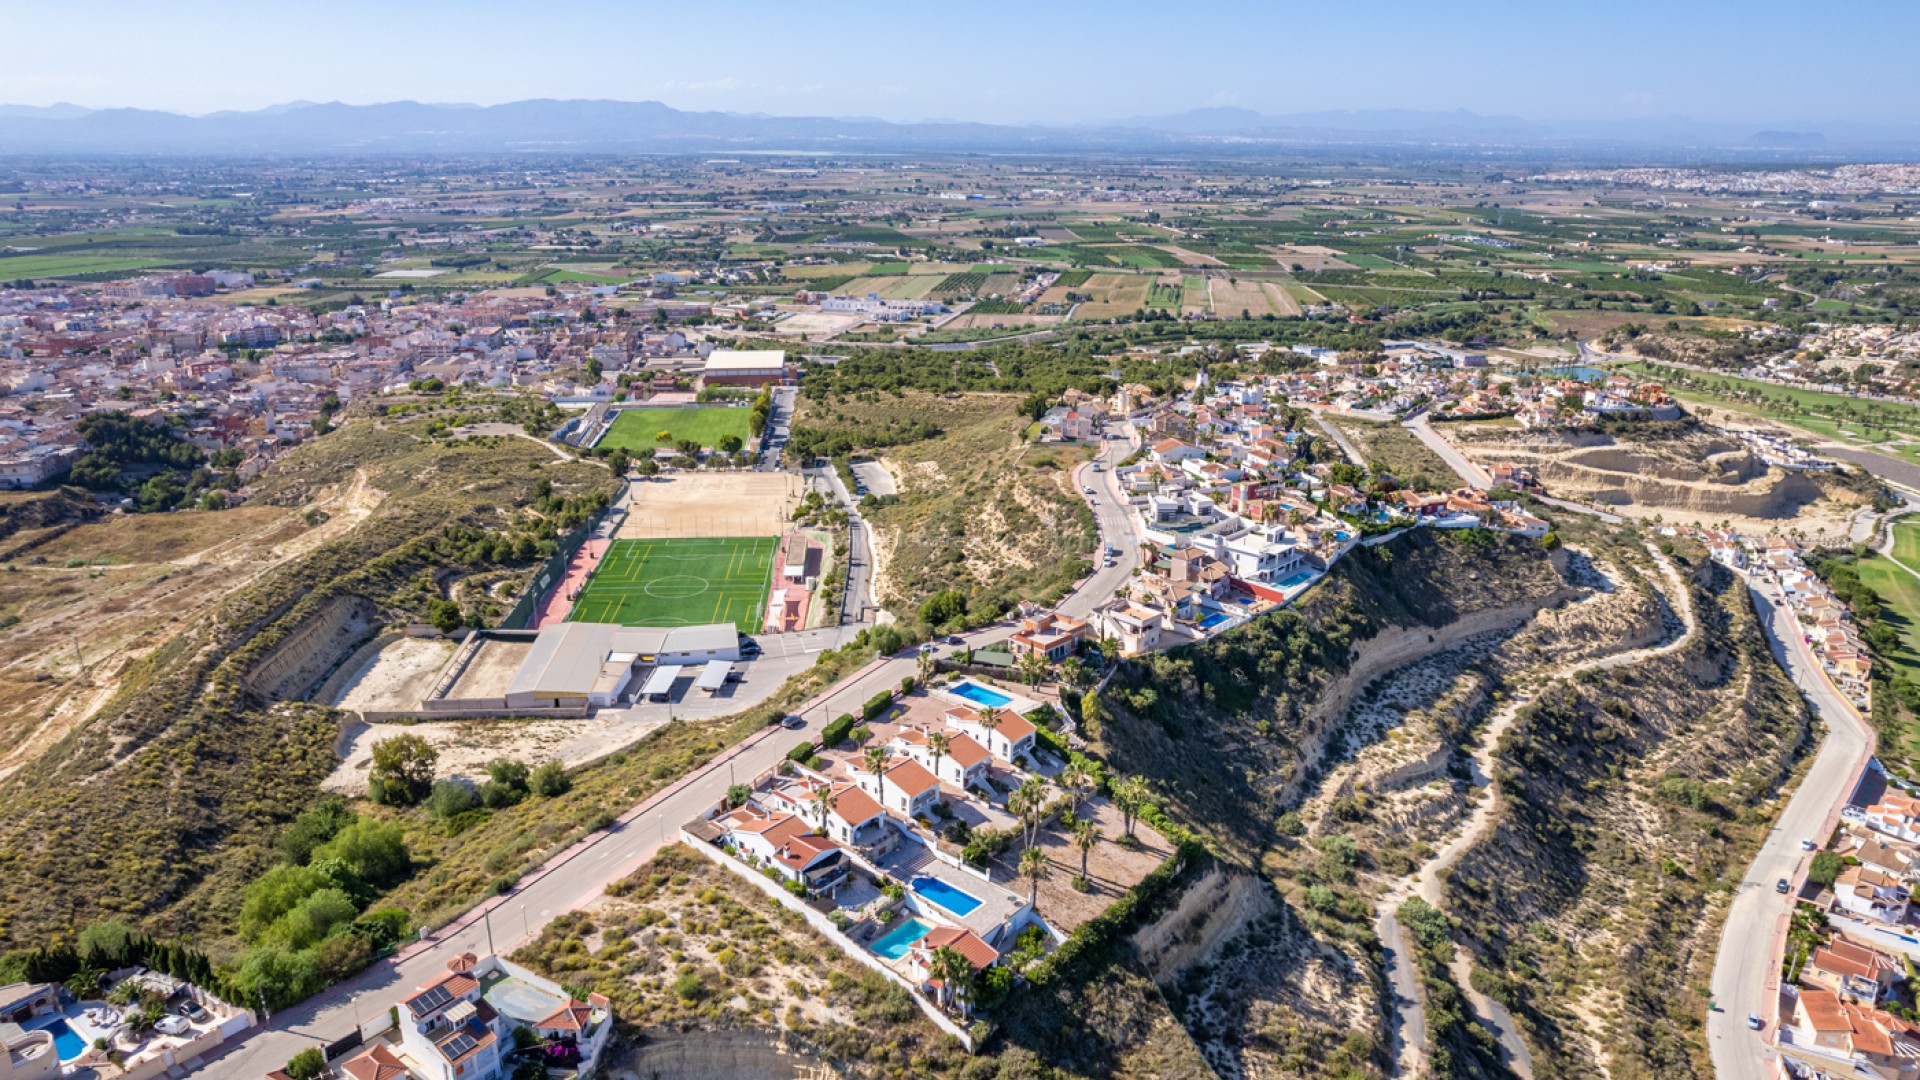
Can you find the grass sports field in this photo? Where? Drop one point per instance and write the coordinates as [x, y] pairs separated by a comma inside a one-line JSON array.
[[639, 429], [680, 583]]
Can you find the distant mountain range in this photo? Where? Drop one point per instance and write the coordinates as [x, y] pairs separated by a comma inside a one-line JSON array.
[[406, 127]]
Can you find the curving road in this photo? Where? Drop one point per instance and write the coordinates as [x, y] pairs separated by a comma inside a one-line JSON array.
[[1746, 968]]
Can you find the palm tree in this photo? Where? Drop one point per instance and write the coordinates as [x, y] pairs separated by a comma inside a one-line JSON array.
[[955, 973], [1033, 867], [1033, 808], [875, 760], [1131, 795], [926, 662], [823, 801], [1110, 650], [1034, 667], [937, 746], [1074, 673], [1085, 837], [990, 718], [1074, 778]]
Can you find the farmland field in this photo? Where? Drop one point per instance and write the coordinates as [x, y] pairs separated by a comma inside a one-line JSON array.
[[680, 583], [1114, 296], [36, 266], [1162, 295], [640, 429]]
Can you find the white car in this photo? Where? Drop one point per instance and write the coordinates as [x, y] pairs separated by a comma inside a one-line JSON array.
[[172, 1025], [1808, 845]]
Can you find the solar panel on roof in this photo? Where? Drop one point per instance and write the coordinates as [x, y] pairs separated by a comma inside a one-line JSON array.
[[457, 1046], [430, 999]]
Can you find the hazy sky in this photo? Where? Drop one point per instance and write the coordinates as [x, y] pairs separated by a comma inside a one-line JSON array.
[[1751, 61]]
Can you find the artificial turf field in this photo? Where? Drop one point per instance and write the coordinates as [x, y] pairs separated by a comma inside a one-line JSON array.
[[684, 582], [639, 429]]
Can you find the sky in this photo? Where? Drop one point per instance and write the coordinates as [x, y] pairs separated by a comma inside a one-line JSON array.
[[1750, 62]]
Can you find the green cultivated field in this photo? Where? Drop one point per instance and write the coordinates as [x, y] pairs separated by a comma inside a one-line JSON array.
[[680, 583], [639, 429]]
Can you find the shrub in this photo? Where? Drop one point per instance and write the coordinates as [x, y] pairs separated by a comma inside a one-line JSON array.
[[550, 779], [308, 1064], [1823, 869], [802, 753], [450, 798], [836, 732], [876, 705]]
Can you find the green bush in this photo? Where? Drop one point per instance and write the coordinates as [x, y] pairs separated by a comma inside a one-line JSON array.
[[836, 732], [550, 779], [802, 753], [876, 705]]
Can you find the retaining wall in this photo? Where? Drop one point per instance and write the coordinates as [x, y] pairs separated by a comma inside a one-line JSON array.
[[832, 933]]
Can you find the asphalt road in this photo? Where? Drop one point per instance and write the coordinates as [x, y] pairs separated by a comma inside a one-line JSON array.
[[1117, 529], [1455, 460], [1746, 972]]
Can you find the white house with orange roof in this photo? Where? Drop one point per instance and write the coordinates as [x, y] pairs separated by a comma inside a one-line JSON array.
[[1888, 1045], [904, 786], [1044, 632], [1896, 815], [1010, 739], [852, 817], [448, 1030], [784, 841], [963, 765], [963, 941]]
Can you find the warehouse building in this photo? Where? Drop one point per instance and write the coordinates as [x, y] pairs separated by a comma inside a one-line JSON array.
[[735, 367]]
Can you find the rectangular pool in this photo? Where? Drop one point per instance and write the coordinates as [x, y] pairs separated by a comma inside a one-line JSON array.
[[946, 896], [65, 1042], [1218, 618], [1297, 579], [980, 695], [894, 943]]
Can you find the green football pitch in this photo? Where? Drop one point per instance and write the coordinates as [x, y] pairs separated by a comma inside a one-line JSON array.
[[680, 583]]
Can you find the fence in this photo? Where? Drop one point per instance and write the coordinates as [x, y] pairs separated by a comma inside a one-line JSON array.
[[832, 933], [555, 567]]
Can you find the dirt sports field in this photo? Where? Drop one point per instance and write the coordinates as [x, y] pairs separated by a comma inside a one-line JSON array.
[[711, 504], [680, 583]]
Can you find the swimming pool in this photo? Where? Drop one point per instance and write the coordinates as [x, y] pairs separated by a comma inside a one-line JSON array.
[[1218, 618], [894, 943], [946, 896], [1297, 578], [65, 1042], [980, 695], [1579, 371]]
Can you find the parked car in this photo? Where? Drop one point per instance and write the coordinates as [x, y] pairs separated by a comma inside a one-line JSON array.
[[926, 647], [172, 1025], [1782, 886], [956, 639], [192, 1011], [792, 721], [1808, 845], [1753, 1021]]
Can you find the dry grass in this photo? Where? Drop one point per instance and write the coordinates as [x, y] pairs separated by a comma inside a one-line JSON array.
[[1115, 295], [711, 504]]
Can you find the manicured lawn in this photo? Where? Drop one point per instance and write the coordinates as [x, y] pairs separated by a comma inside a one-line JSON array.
[[639, 429], [680, 583], [1899, 594], [1906, 544]]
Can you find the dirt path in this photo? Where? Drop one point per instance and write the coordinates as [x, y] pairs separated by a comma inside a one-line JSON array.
[[1409, 1052]]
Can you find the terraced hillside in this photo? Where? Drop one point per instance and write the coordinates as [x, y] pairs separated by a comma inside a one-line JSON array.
[[205, 748]]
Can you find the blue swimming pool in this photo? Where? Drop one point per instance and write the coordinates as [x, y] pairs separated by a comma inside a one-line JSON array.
[[65, 1042], [1218, 618], [980, 695], [946, 896], [1297, 579], [894, 943], [1579, 371]]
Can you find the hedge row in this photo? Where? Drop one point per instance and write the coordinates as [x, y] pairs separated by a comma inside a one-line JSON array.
[[835, 733]]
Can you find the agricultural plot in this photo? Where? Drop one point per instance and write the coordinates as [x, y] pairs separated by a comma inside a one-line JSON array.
[[1163, 295], [1114, 296], [647, 430], [680, 583], [894, 287]]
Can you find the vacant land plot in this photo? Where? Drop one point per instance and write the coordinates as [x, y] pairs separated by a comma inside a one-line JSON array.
[[393, 678], [711, 504], [647, 430], [1308, 257], [680, 583], [1114, 296], [894, 286]]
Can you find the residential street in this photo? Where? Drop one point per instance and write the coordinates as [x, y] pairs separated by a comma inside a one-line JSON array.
[[1746, 974], [577, 876], [1457, 461]]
